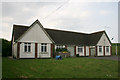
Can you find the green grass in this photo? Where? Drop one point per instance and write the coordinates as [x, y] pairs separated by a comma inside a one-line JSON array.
[[66, 68]]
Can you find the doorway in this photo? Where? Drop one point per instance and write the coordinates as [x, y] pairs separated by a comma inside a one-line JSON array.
[[92, 51], [71, 50]]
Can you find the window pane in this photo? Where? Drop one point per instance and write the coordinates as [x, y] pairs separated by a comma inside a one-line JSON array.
[[63, 46], [107, 49], [42, 49], [29, 48], [25, 48], [43, 44], [29, 44], [100, 48], [80, 49], [45, 48]]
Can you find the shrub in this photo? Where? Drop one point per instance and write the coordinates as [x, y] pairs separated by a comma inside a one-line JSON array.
[[77, 55], [61, 50], [6, 48]]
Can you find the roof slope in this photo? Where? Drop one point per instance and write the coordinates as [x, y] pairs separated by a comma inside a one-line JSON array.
[[63, 37], [93, 38], [66, 37], [18, 30]]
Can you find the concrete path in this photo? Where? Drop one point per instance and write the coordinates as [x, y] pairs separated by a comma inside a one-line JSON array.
[[117, 58]]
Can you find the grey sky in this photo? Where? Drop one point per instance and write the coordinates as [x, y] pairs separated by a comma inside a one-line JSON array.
[[67, 15]]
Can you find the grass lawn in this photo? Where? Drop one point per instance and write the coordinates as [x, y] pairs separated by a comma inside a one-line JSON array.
[[66, 68]]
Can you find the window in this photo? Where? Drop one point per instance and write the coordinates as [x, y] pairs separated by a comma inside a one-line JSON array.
[[80, 49], [27, 47], [60, 46], [107, 48], [100, 48], [43, 47]]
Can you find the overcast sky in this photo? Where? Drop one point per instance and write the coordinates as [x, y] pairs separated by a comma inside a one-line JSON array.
[[69, 15]]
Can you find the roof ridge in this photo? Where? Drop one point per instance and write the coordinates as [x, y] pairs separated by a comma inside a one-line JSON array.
[[20, 25], [66, 31], [97, 32]]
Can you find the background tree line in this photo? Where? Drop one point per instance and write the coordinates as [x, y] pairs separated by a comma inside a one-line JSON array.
[[6, 47]]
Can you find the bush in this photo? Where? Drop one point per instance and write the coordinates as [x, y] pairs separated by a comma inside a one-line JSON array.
[[77, 55], [6, 48], [61, 50]]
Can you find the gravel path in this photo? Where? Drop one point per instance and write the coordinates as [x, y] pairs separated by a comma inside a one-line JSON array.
[[117, 58]]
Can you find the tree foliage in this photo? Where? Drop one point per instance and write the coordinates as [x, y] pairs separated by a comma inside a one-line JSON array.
[[6, 48]]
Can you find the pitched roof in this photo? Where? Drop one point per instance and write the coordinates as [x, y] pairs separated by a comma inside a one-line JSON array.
[[93, 38], [63, 37], [18, 30]]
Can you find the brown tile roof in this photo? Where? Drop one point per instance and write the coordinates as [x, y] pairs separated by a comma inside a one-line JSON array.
[[63, 37]]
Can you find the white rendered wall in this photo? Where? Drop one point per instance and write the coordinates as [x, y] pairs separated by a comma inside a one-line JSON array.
[[14, 50]]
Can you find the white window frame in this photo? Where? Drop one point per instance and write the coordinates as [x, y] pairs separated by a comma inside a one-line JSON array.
[[27, 47], [59, 46], [80, 49], [43, 47], [100, 49]]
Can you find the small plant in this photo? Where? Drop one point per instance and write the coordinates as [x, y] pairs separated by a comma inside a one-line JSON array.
[[61, 50], [77, 55]]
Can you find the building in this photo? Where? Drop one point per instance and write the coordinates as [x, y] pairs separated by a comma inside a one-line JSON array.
[[35, 41]]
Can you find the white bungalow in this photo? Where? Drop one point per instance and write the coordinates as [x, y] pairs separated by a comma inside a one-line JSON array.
[[34, 41]]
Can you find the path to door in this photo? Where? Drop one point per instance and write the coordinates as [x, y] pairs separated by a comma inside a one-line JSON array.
[[109, 57]]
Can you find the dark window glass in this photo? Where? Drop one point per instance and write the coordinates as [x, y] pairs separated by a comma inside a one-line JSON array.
[[107, 48], [100, 48], [27, 47], [43, 47], [80, 49]]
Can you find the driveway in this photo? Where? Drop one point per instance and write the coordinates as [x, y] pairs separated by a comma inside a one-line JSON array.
[[117, 58]]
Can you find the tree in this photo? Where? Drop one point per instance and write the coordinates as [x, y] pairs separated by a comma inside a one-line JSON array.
[[6, 48]]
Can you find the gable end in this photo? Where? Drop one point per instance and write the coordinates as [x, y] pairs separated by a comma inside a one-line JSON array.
[[40, 25]]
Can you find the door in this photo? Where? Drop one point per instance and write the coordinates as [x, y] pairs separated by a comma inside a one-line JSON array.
[[92, 51], [71, 50]]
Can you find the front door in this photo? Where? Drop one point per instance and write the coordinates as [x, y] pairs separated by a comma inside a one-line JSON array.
[[92, 51], [71, 50]]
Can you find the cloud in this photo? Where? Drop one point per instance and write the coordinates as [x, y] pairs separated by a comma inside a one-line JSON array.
[[105, 12], [82, 17], [60, 0]]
